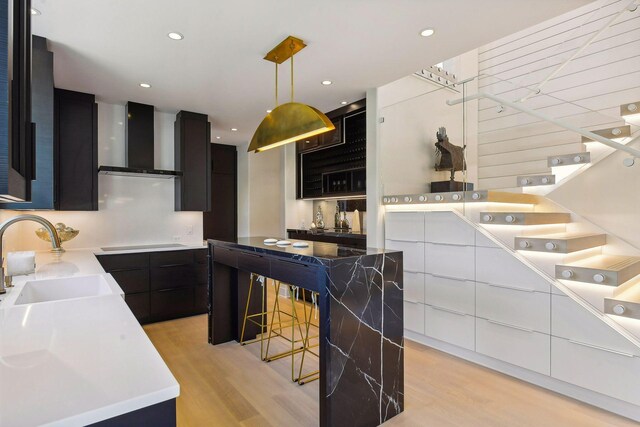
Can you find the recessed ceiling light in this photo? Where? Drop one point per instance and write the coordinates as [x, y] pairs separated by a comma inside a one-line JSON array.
[[344, 103], [175, 36], [268, 111], [217, 137], [234, 130], [35, 11], [326, 82], [145, 85], [427, 32]]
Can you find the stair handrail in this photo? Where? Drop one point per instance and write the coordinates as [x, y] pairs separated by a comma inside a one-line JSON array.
[[632, 6], [518, 106]]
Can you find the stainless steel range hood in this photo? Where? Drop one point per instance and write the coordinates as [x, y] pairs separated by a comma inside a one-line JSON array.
[[139, 137]]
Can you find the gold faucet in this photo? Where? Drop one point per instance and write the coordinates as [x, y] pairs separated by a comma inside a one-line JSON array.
[[55, 239]]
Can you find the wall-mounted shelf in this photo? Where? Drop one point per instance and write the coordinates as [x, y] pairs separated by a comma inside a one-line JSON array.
[[138, 172]]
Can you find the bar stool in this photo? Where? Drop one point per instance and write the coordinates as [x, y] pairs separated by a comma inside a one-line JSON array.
[[261, 314], [306, 346], [278, 331]]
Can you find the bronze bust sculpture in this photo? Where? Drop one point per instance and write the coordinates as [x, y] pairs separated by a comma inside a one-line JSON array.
[[449, 157]]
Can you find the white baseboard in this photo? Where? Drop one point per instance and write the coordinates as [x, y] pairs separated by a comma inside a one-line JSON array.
[[599, 400]]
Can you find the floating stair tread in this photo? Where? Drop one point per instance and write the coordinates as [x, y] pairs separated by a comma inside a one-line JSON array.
[[561, 236], [561, 243], [607, 262], [535, 180], [524, 218], [569, 159], [626, 303], [612, 270]]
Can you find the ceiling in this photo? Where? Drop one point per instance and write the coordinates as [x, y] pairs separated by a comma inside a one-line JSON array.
[[108, 47]]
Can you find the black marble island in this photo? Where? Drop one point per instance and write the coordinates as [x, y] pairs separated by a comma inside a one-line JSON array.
[[361, 318]]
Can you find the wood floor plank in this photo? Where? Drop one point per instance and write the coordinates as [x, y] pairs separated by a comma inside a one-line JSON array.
[[228, 385]]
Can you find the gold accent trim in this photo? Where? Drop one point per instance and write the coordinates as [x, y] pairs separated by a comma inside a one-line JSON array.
[[285, 50]]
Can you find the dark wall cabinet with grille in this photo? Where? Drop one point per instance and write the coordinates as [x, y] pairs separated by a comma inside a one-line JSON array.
[[334, 164], [193, 158], [161, 285]]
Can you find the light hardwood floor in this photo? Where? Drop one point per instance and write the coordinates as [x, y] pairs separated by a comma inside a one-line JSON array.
[[227, 385]]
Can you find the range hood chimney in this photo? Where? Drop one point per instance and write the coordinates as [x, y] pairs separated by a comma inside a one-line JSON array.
[[139, 137]]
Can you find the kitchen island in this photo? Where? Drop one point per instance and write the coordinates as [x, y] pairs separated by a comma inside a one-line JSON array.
[[361, 318]]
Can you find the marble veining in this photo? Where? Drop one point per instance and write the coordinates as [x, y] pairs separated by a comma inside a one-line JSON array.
[[361, 321]]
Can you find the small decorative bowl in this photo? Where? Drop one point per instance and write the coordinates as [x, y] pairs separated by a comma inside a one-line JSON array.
[[65, 233]]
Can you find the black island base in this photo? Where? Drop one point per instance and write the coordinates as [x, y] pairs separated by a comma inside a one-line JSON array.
[[361, 318]]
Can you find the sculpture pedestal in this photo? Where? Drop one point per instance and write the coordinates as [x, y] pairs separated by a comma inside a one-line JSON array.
[[447, 186]]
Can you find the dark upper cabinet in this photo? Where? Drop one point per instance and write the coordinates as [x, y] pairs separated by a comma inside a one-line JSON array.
[[42, 186], [193, 159], [75, 151], [221, 222], [17, 142]]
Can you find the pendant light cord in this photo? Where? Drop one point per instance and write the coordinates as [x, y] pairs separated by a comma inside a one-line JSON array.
[[292, 54], [276, 83]]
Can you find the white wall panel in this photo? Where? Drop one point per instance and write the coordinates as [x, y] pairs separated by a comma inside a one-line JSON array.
[[586, 93]]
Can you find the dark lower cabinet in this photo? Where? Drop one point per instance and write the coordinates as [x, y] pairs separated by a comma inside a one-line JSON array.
[[139, 305], [161, 414], [161, 285]]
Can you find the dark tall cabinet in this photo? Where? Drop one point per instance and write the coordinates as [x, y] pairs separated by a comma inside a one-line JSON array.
[[221, 223], [193, 159], [42, 115], [75, 151], [17, 141]]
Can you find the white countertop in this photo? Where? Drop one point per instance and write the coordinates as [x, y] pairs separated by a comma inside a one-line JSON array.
[[77, 361]]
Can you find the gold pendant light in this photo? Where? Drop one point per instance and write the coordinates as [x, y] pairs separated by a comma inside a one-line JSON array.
[[292, 121]]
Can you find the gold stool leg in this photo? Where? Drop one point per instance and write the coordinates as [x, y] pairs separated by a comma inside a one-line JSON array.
[[312, 376], [246, 311]]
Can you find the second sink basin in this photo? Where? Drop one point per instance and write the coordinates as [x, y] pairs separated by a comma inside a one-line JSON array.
[[66, 288]]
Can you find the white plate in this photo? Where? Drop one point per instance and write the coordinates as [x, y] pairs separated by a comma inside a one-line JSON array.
[[300, 245], [283, 243], [270, 241]]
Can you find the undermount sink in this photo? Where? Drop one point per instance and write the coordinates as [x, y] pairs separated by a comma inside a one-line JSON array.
[[66, 288]]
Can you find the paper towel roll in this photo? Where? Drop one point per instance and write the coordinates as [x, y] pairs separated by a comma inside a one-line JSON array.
[[19, 263], [356, 225]]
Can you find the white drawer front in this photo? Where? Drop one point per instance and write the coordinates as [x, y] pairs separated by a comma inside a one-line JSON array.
[[453, 327], [414, 317], [482, 240], [494, 265], [454, 294], [447, 227], [404, 226], [412, 254], [450, 261], [530, 310], [569, 320], [612, 374], [413, 287], [528, 349]]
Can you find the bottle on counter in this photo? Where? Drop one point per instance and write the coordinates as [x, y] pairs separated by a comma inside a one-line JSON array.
[[345, 222], [337, 221], [319, 219]]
